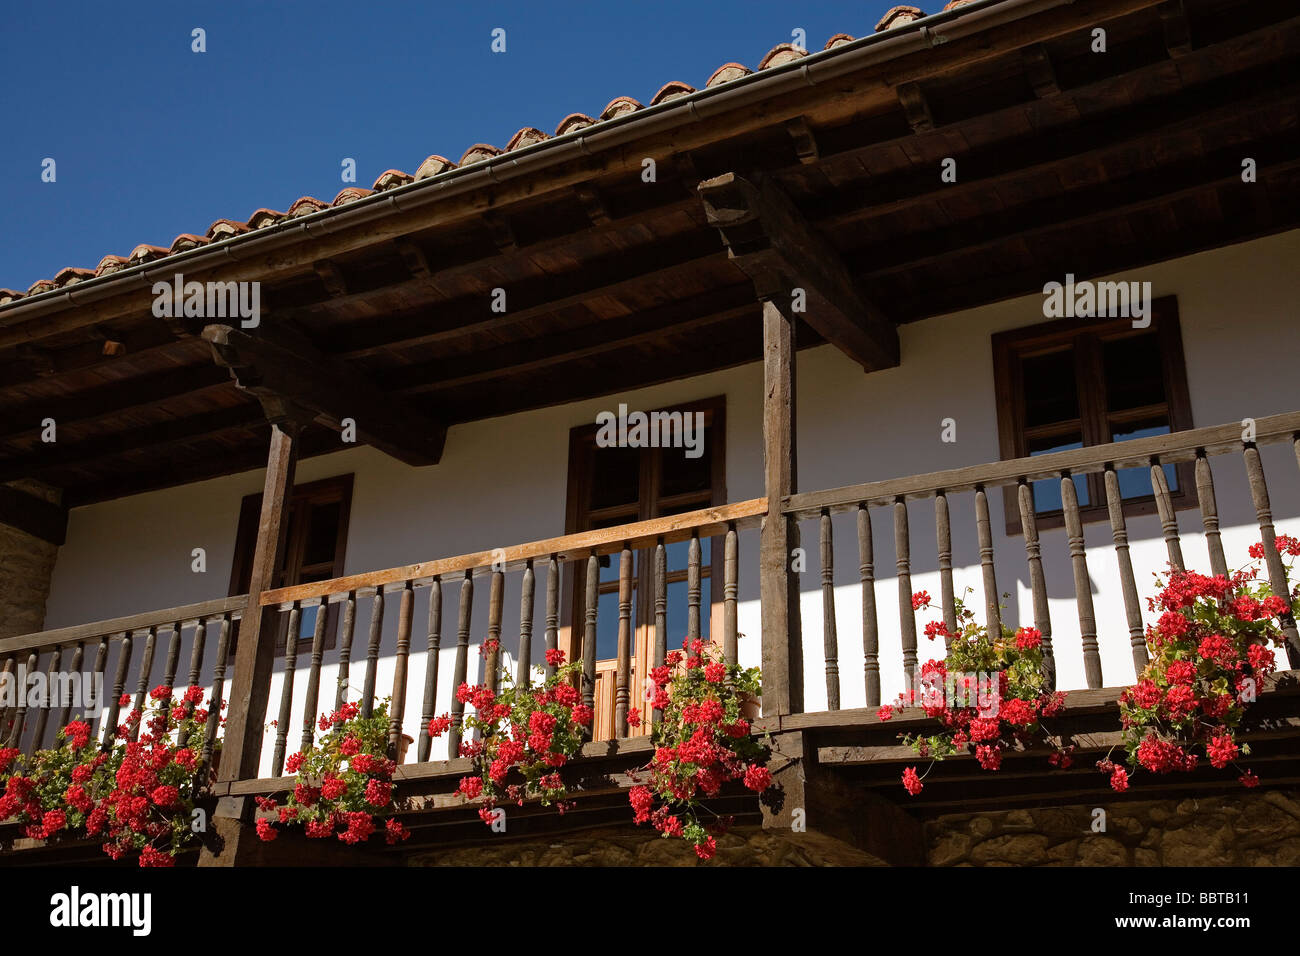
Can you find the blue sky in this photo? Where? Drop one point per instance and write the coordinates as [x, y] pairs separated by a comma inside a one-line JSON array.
[[152, 140]]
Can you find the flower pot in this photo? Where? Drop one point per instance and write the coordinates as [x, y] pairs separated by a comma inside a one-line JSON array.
[[751, 707], [402, 746]]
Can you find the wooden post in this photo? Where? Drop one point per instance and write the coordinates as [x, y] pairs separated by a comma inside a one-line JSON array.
[[255, 654], [778, 584]]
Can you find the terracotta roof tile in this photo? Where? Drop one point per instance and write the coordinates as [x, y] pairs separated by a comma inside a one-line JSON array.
[[391, 178], [573, 121], [526, 137], [897, 16], [618, 106], [778, 55], [435, 165], [670, 91], [728, 72]]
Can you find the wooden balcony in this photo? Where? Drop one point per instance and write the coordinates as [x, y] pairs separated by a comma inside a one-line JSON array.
[[848, 750]]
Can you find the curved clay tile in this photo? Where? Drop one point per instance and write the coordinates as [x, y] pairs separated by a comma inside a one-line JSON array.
[[110, 264], [728, 72], [225, 228], [9, 295], [264, 217], [146, 253], [670, 91], [391, 178], [479, 152], [72, 275], [620, 105], [897, 16], [956, 3], [305, 206], [41, 285], [778, 55], [526, 137], [434, 165], [351, 194], [187, 240], [572, 122], [838, 40]]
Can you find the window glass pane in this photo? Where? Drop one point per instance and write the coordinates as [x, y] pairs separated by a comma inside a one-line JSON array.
[[1047, 492], [616, 476], [1136, 482], [1051, 394], [607, 626], [1134, 372], [681, 473], [678, 554], [322, 533]]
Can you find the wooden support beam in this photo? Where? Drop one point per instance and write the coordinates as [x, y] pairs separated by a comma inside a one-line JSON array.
[[250, 685], [503, 236], [33, 515], [1039, 70], [771, 242], [915, 107], [805, 142], [280, 367], [593, 204], [331, 277], [417, 263], [778, 584], [1178, 32]]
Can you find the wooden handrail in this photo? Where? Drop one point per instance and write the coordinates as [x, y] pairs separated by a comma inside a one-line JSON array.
[[1138, 452], [706, 522], [166, 617]]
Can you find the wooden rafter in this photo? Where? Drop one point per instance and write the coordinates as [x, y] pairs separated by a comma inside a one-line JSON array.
[[290, 370], [36, 516], [772, 243]]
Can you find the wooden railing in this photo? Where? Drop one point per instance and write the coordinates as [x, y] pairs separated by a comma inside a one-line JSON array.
[[376, 587], [1196, 446], [65, 651]]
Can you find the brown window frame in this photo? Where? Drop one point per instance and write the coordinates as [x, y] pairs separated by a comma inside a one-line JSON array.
[[325, 491], [582, 447], [1085, 337]]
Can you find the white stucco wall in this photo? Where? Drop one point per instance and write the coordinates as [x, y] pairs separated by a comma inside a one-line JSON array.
[[503, 482]]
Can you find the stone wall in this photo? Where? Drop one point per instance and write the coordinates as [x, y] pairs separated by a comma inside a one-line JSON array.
[[1250, 828], [26, 563]]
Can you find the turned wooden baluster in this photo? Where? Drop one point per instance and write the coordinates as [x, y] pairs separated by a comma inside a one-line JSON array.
[[43, 713], [1128, 586], [943, 540], [218, 690], [1037, 583], [119, 688], [591, 597], [197, 648], [524, 669], [552, 609], [622, 676], [345, 650], [397, 707], [730, 592], [372, 653], [984, 530], [9, 678], [1082, 583], [906, 615], [1168, 517], [74, 668], [20, 715], [661, 610], [870, 631], [1209, 514], [142, 686], [464, 615], [286, 689], [97, 673], [830, 638], [312, 701], [433, 645], [172, 662], [1277, 581], [492, 662], [693, 630]]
